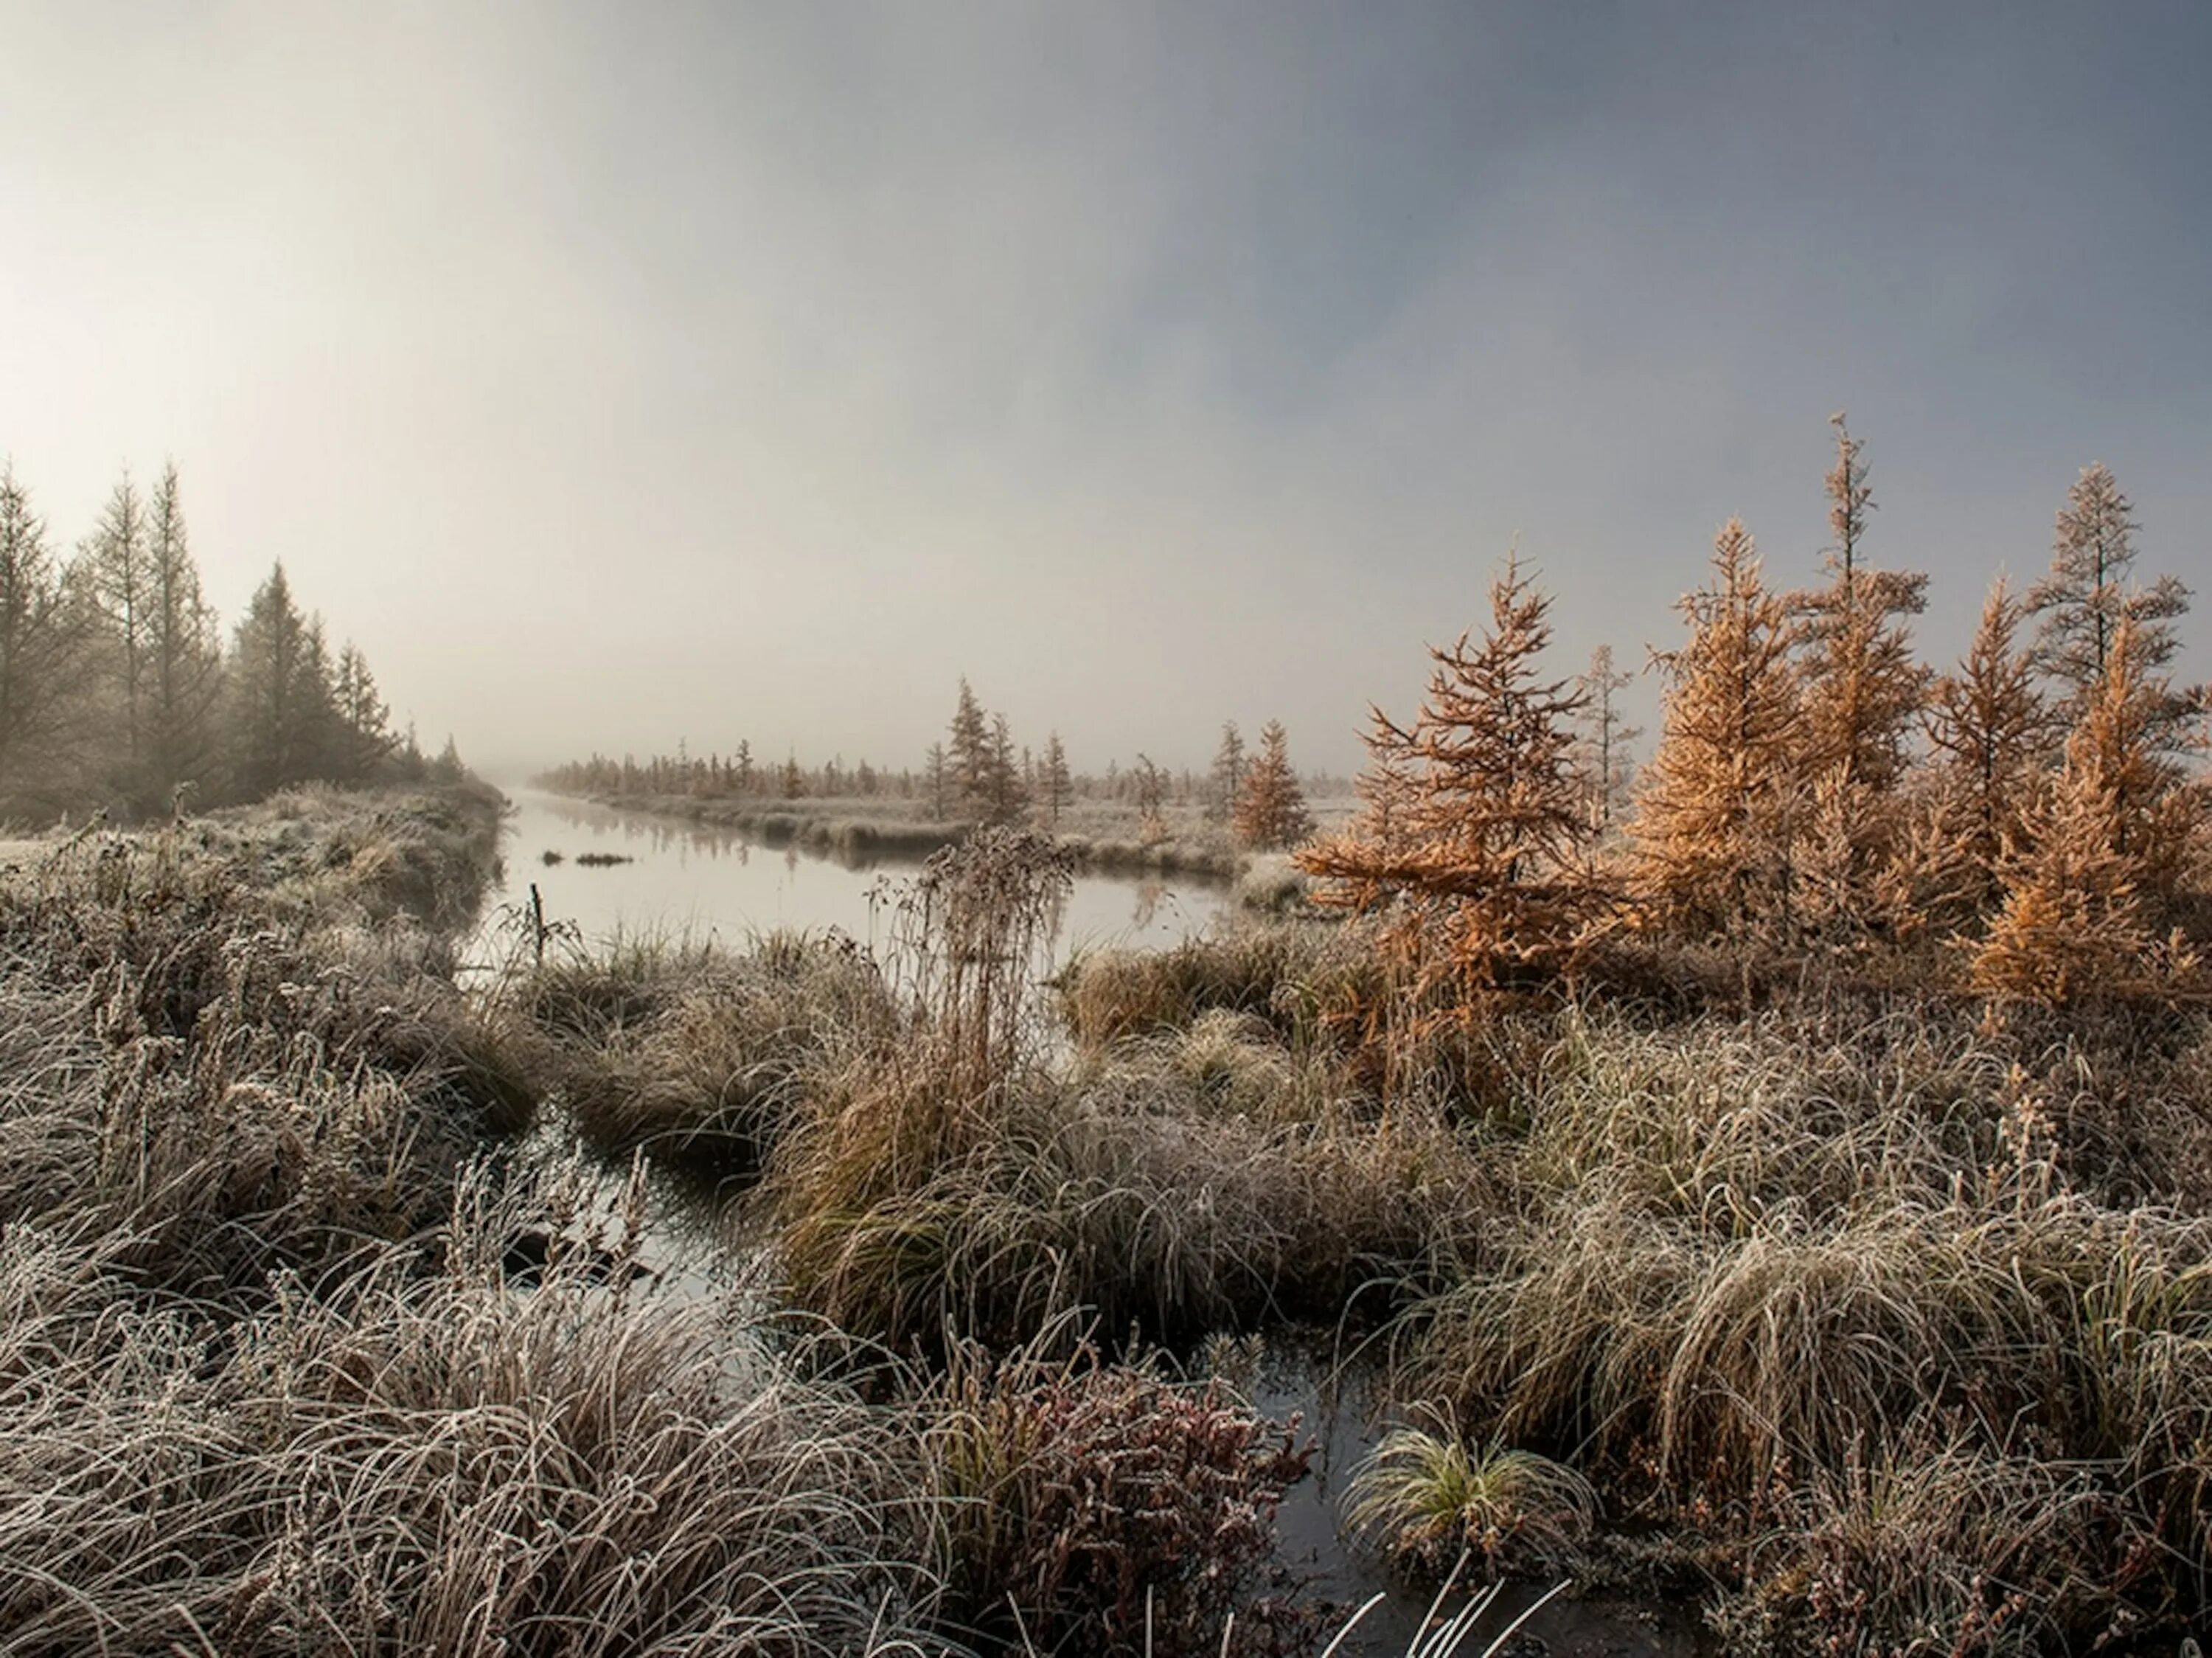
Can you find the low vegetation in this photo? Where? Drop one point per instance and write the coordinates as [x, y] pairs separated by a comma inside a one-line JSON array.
[[303, 1348]]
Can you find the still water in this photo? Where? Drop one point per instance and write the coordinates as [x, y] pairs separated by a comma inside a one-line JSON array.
[[710, 881]]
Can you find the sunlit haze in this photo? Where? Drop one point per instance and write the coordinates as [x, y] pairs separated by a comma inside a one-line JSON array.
[[616, 375]]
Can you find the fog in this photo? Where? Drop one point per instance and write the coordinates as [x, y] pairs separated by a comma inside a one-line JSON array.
[[616, 375]]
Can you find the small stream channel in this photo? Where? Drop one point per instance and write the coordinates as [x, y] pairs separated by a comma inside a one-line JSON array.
[[705, 881]]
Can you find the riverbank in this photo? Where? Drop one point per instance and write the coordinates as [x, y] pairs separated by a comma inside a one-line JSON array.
[[1107, 838]]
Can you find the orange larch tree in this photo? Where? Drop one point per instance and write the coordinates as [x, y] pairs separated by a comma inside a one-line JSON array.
[[2090, 592], [1714, 838], [1270, 812], [2099, 862], [1862, 692], [1991, 736], [1476, 835]]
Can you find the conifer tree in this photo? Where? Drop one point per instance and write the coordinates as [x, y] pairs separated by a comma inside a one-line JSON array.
[[185, 671], [1228, 777], [937, 772], [282, 713], [1990, 731], [968, 751], [1386, 790], [1601, 751], [364, 728], [1270, 812], [1003, 798], [2090, 591], [1058, 789], [1151, 788], [794, 780], [2072, 921], [1716, 815], [1863, 690], [2123, 744], [1476, 830], [1863, 694], [410, 764], [44, 662], [117, 567], [2099, 857]]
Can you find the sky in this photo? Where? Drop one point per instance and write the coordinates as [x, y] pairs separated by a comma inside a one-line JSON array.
[[620, 375]]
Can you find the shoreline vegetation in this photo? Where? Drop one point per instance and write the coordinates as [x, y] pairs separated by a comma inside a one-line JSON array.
[[1821, 1300], [1143, 819], [858, 831]]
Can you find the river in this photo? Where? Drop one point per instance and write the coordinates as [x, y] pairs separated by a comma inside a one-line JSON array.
[[706, 880]]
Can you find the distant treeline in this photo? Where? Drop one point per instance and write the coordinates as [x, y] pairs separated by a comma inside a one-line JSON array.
[[979, 774], [118, 689]]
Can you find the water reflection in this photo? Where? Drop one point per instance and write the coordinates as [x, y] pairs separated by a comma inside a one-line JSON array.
[[703, 879]]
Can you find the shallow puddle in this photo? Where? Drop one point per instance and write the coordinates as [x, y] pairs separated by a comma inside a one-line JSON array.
[[1338, 1409]]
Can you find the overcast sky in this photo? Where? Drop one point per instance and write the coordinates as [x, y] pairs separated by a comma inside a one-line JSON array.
[[617, 374]]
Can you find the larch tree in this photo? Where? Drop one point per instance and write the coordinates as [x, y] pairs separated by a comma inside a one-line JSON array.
[[2123, 745], [935, 772], [1270, 811], [282, 711], [2098, 852], [1476, 834], [117, 567], [1228, 775], [1601, 754], [364, 728], [1990, 731], [1270, 804], [968, 750], [1003, 797], [1054, 784], [2071, 923], [1717, 822], [185, 650], [1151, 788], [1361, 881], [1863, 690], [2090, 591], [44, 663], [1862, 695]]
